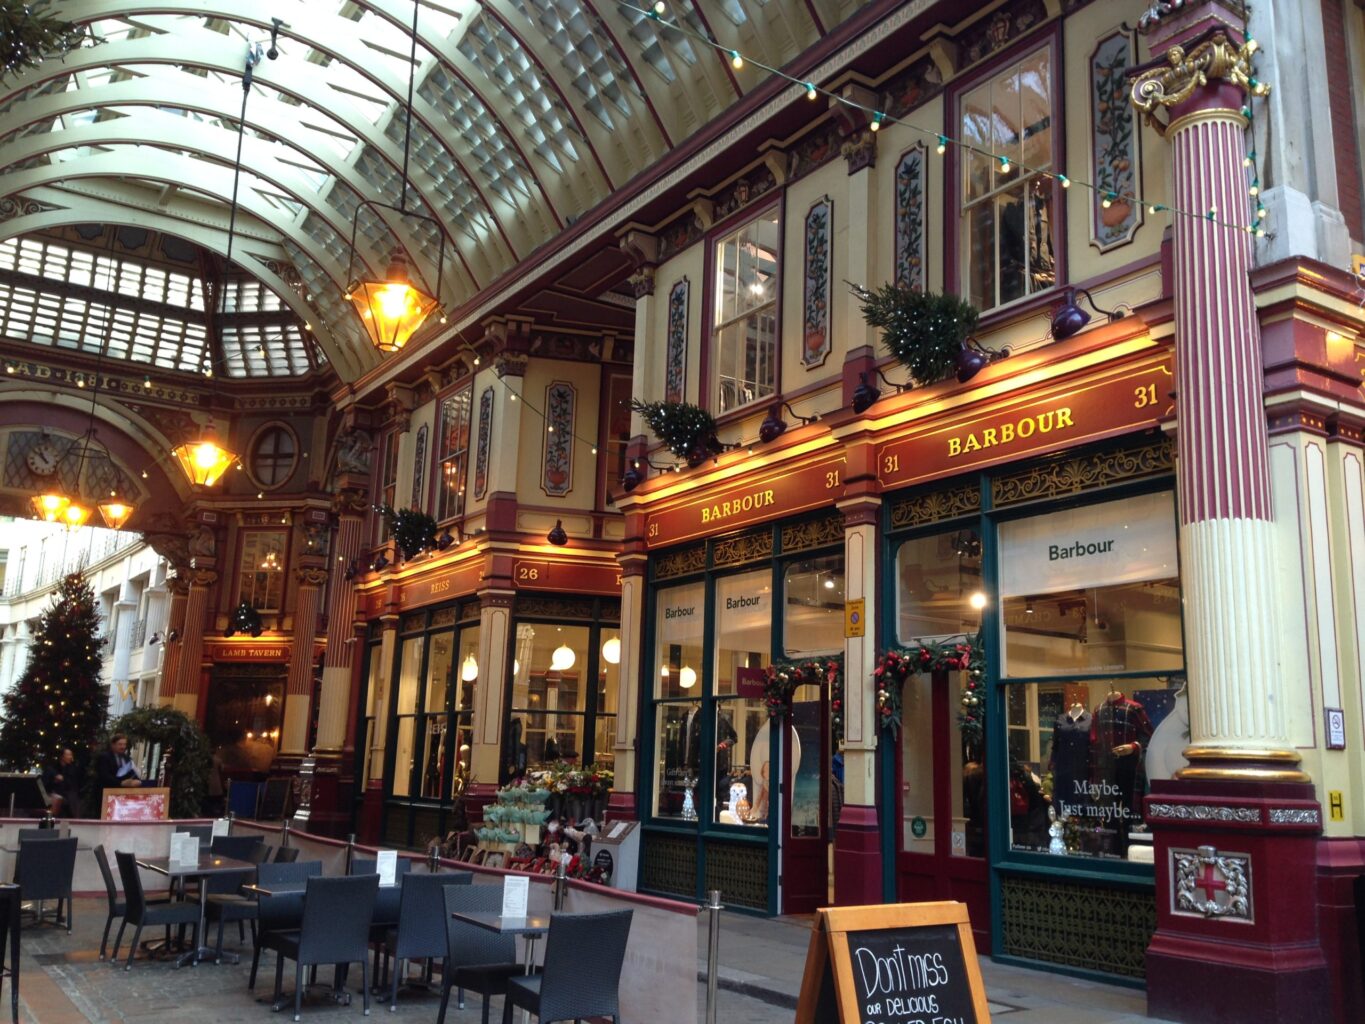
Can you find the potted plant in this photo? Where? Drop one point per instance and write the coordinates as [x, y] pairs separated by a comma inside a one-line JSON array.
[[413, 531], [928, 332]]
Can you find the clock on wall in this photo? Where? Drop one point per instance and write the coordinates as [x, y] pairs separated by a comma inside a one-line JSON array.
[[43, 458]]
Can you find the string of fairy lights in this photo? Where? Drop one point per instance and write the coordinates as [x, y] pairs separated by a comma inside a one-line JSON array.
[[878, 119]]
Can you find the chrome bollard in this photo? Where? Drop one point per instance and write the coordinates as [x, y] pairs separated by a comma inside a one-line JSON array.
[[350, 851], [712, 953], [284, 834], [561, 884], [433, 860]]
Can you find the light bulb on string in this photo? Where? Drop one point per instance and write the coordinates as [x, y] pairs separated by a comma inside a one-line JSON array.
[[877, 118], [1004, 165], [811, 92], [1064, 181], [736, 60], [942, 146]]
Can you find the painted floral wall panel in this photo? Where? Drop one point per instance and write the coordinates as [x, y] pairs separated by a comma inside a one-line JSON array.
[[675, 357], [1115, 215], [815, 306], [484, 440], [911, 216], [419, 469], [557, 479]]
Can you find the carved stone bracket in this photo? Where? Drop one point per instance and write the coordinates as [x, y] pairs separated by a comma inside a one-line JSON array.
[[1173, 80], [203, 577], [642, 282], [350, 501], [310, 575]]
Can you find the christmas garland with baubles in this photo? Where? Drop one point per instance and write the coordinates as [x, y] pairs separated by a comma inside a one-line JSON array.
[[956, 654], [784, 677], [687, 430]]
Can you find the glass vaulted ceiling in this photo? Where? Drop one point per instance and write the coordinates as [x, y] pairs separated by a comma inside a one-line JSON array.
[[526, 114]]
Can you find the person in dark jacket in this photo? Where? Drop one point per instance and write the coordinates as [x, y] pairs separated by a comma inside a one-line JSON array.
[[114, 768], [63, 782]]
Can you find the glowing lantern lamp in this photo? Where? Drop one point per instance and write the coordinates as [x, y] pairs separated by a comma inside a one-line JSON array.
[[393, 309], [469, 670], [687, 677], [611, 651], [203, 461], [75, 515], [50, 505], [115, 512], [563, 658]]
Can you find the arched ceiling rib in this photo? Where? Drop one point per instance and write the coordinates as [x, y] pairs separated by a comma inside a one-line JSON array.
[[526, 114]]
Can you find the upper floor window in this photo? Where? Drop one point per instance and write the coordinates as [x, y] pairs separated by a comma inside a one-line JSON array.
[[745, 319], [1008, 198], [261, 575], [454, 454], [273, 457], [388, 481]]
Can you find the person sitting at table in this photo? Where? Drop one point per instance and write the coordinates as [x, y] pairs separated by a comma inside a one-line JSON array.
[[114, 768], [63, 781]]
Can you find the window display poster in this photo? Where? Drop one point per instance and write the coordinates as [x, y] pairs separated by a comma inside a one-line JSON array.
[[1127, 541]]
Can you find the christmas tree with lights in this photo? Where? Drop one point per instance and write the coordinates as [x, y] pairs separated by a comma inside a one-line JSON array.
[[58, 702]]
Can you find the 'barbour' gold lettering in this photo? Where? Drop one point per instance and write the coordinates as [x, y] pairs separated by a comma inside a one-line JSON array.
[[736, 506], [1008, 433]]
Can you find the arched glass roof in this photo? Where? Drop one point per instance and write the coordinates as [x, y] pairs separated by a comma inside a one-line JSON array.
[[525, 114]]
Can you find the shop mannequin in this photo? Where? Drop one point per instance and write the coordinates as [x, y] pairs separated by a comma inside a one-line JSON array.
[[1118, 736], [1069, 761]]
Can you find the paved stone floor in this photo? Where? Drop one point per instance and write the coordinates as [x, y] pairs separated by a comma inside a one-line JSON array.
[[64, 982]]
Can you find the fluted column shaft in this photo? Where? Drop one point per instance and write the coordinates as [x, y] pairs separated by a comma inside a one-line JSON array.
[[299, 692], [335, 694], [185, 683]]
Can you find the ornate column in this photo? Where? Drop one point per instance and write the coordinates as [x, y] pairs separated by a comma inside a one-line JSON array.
[[485, 757], [857, 835], [329, 807], [198, 618], [1236, 828], [173, 635], [299, 691], [626, 762]]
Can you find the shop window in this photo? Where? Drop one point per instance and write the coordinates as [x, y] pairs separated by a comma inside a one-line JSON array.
[[405, 715], [550, 692], [1008, 198], [608, 689], [372, 743], [939, 589], [388, 480], [813, 607], [454, 454], [1090, 609], [273, 457], [261, 575], [744, 323], [744, 619], [676, 671]]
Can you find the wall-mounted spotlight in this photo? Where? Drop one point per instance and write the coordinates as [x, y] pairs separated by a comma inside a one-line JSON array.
[[352, 570], [1069, 319], [867, 394], [972, 358], [557, 536], [155, 638], [444, 541], [774, 426], [275, 25], [632, 478], [380, 563]]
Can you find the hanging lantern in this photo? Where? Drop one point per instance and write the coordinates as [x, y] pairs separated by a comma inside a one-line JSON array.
[[76, 514], [50, 505], [469, 669], [611, 651], [393, 309], [203, 461], [115, 512], [562, 659]]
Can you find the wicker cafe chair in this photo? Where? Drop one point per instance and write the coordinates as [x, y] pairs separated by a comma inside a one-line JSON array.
[[286, 855], [44, 872], [282, 911], [141, 912], [386, 908], [582, 975], [335, 930], [260, 854], [476, 958], [421, 930], [116, 904], [236, 847]]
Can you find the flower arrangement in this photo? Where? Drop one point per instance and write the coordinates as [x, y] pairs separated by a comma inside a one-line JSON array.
[[688, 430], [785, 676], [956, 654], [564, 779], [515, 816], [924, 330]]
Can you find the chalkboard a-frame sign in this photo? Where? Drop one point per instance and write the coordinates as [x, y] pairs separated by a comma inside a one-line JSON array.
[[901, 963]]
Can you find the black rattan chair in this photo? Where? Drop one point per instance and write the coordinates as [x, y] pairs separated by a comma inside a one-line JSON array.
[[386, 907], [582, 974], [116, 904], [286, 855], [141, 912], [421, 930], [335, 930], [260, 854], [282, 911], [476, 958], [44, 872]]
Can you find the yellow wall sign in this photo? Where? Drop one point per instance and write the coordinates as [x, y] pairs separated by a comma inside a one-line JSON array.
[[1336, 810], [855, 618]]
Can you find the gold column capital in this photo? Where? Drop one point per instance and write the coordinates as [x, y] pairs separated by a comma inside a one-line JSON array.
[[1173, 80]]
